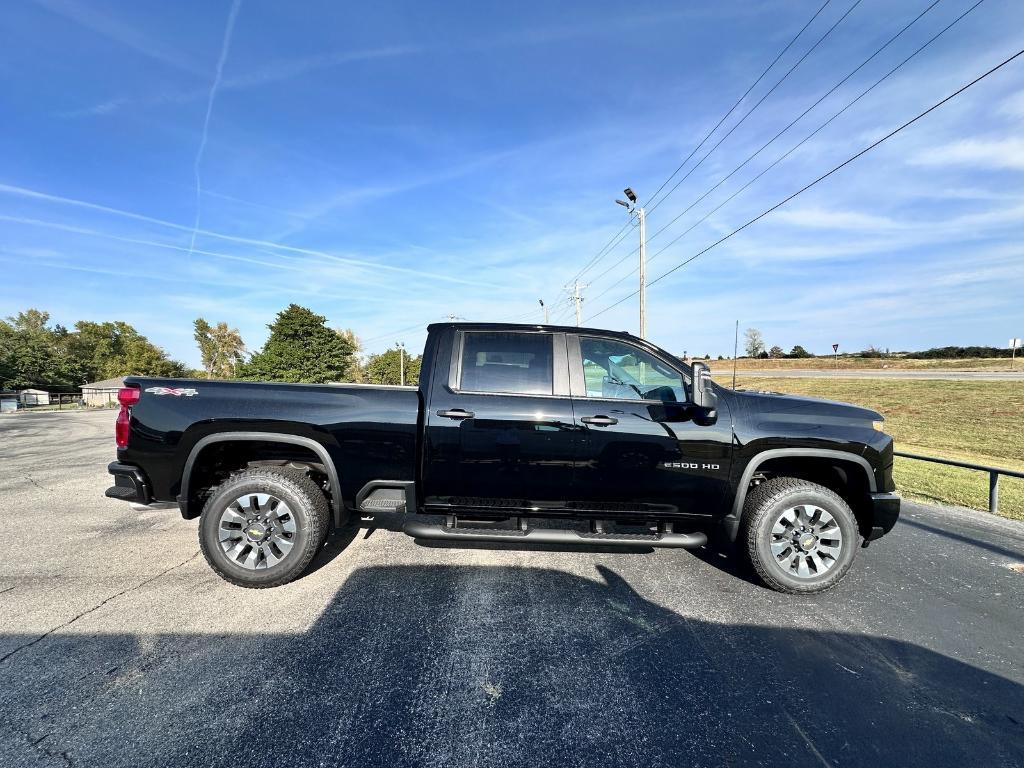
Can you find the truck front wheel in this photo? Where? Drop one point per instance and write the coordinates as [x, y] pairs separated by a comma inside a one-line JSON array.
[[799, 537], [261, 527]]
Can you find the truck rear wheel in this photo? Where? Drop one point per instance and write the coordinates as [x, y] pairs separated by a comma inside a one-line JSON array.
[[262, 527], [798, 536]]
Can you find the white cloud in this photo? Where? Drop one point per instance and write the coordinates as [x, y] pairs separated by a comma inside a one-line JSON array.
[[1014, 105], [995, 154], [823, 218]]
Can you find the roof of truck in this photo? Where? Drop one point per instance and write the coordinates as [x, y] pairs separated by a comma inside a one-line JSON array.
[[465, 324]]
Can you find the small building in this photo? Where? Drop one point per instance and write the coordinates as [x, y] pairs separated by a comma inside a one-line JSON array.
[[8, 402], [30, 397], [99, 394]]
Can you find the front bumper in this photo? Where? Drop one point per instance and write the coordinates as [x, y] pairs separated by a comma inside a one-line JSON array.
[[129, 484], [885, 511]]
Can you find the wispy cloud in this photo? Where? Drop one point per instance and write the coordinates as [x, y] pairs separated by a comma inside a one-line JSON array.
[[92, 18], [101, 108], [1014, 105], [286, 69], [365, 263], [236, 5], [994, 154], [274, 72]]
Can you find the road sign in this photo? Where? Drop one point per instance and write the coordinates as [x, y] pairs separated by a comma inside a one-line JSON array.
[[835, 347], [1015, 344]]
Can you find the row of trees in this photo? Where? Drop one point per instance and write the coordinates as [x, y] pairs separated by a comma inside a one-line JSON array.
[[301, 348], [754, 346], [35, 354]]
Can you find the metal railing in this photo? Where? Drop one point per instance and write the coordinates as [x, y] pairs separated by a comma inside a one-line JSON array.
[[993, 474]]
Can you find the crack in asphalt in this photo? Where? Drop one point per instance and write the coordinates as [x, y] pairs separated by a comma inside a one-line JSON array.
[[36, 483], [96, 607]]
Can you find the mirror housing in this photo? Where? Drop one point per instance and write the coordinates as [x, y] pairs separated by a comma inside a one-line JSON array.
[[704, 396]]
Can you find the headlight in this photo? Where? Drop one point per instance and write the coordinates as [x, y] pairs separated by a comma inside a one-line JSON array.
[[877, 425]]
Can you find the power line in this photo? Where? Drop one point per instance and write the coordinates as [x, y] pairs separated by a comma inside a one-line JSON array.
[[620, 235], [818, 180], [760, 101], [796, 146], [739, 100]]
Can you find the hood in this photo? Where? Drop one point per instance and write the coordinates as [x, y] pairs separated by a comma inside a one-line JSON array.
[[771, 408]]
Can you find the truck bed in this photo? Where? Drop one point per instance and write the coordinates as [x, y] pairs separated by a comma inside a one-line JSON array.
[[368, 431]]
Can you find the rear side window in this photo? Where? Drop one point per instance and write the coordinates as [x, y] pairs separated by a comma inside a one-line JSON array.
[[515, 363]]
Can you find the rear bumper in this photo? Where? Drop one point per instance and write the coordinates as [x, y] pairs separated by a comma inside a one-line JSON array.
[[129, 484], [885, 511]]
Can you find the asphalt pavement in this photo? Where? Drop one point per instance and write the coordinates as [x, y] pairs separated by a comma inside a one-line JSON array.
[[120, 647]]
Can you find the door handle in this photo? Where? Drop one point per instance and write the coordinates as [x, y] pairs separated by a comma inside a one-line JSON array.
[[456, 413], [600, 421]]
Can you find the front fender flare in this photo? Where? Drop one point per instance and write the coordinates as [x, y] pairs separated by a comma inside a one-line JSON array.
[[731, 522]]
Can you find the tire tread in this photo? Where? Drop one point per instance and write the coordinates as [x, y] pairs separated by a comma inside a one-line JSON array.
[[759, 502]]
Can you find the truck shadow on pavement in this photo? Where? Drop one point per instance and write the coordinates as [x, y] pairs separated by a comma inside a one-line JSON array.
[[505, 666]]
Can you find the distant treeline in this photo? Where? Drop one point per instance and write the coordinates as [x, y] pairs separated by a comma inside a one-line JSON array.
[[946, 353]]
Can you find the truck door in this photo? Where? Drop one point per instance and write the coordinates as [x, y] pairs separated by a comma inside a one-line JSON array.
[[499, 432], [642, 445]]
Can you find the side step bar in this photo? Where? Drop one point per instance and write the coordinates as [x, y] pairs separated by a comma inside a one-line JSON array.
[[555, 536]]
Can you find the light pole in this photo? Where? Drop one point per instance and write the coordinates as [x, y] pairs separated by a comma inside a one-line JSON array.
[[401, 361], [642, 222], [543, 306]]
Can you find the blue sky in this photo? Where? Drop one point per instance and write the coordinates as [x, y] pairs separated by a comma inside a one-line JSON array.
[[387, 164]]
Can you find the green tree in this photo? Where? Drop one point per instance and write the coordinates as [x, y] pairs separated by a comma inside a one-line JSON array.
[[385, 368], [776, 351], [301, 349], [220, 347], [34, 355], [111, 349], [798, 351]]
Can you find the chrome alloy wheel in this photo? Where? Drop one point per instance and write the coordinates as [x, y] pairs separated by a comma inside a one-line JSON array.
[[257, 531], [806, 541]]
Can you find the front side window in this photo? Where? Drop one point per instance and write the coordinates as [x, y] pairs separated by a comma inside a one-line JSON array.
[[615, 369], [515, 363]]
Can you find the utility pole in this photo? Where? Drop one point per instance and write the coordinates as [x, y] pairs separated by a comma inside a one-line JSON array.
[[401, 362], [643, 272], [735, 352], [544, 307], [642, 222], [577, 299]]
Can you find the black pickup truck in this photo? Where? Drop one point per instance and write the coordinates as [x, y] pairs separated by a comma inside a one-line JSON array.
[[515, 433]]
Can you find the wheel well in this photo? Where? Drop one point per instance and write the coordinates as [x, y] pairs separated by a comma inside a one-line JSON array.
[[215, 462], [846, 478]]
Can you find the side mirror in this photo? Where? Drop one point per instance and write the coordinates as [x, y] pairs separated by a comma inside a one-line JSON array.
[[703, 394]]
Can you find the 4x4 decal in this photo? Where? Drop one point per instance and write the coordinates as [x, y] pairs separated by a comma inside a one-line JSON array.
[[176, 391]]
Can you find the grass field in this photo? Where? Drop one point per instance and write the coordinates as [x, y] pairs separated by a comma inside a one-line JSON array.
[[827, 363], [981, 422]]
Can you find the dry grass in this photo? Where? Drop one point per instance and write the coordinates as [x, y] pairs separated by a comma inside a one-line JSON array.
[[862, 363], [973, 421]]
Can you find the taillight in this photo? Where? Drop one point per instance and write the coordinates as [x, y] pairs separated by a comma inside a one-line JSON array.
[[127, 397]]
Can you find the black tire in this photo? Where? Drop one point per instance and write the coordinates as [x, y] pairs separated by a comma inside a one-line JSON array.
[[307, 505], [761, 512]]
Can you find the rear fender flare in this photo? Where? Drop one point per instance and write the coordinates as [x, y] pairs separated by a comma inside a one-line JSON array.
[[337, 506]]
